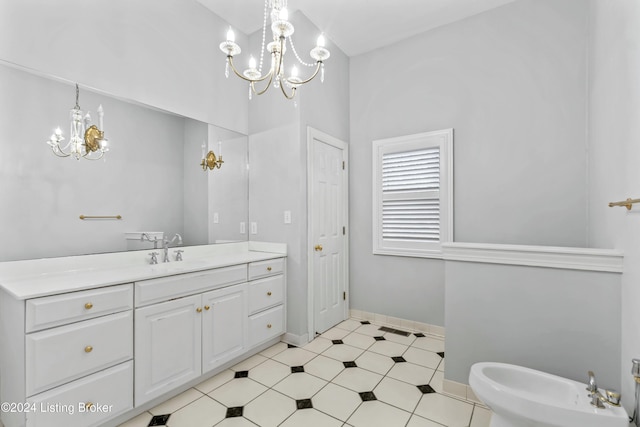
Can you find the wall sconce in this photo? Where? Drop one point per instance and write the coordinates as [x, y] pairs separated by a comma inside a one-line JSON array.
[[85, 140], [210, 161]]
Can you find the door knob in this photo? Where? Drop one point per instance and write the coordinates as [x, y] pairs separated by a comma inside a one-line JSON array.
[[318, 248]]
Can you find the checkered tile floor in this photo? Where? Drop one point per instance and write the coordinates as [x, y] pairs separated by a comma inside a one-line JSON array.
[[352, 375]]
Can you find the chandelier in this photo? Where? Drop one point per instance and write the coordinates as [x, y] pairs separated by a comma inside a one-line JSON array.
[[85, 140], [282, 30]]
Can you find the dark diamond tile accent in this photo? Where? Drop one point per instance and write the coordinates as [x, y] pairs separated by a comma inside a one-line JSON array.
[[367, 396], [350, 364], [426, 389], [236, 411], [304, 404], [398, 359], [365, 322], [291, 346], [159, 420], [420, 335], [241, 374], [394, 331], [379, 338], [441, 354], [296, 369], [337, 341]]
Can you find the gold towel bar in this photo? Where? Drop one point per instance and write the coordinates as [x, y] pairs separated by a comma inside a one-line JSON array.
[[83, 217], [626, 203]]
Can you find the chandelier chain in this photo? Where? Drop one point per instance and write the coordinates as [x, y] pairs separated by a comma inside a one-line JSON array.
[[293, 48], [264, 34]]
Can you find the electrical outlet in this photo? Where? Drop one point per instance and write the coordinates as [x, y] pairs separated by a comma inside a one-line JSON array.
[[287, 217], [243, 227], [254, 228], [216, 218]]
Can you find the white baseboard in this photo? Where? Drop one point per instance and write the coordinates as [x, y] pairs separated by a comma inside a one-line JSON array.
[[297, 340], [395, 322]]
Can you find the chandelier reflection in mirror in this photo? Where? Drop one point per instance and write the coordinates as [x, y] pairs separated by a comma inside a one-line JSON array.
[[282, 30], [85, 140]]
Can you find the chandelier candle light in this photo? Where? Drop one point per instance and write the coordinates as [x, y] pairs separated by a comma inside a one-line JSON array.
[[85, 140], [282, 30]]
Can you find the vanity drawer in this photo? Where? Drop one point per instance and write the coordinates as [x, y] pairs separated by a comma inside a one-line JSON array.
[[110, 393], [266, 293], [266, 325], [166, 288], [65, 353], [56, 310], [266, 268]]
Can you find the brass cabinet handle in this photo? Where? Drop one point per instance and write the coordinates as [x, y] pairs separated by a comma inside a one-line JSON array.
[[88, 306], [199, 309], [317, 248], [269, 293], [268, 268], [269, 325], [206, 307], [88, 349]]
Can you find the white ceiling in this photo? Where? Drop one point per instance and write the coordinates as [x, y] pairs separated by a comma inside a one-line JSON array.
[[358, 26]]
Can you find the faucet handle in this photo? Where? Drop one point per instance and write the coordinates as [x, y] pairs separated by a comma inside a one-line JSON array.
[[178, 254], [592, 387], [154, 258]]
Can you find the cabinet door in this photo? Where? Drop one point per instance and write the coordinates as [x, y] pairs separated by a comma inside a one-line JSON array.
[[168, 349], [224, 327]]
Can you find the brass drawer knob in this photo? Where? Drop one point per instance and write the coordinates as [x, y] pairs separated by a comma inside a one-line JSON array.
[[88, 349], [206, 307], [269, 293], [269, 325], [88, 306], [88, 405], [268, 268], [199, 309]]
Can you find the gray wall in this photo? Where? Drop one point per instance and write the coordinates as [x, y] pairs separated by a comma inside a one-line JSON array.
[[614, 132], [565, 322], [43, 195], [512, 84]]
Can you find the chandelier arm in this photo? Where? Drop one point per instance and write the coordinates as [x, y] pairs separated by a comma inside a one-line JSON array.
[[301, 82], [91, 158], [60, 153], [280, 56], [233, 67], [286, 95], [265, 88]]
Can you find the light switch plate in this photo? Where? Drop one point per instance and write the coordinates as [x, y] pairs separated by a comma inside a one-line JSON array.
[[254, 228], [287, 217], [243, 227], [216, 218]]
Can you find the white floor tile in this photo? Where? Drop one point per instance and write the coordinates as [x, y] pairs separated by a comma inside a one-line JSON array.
[[343, 352], [335, 334], [358, 379], [336, 401], [378, 414], [318, 345], [269, 409], [141, 420], [212, 383], [175, 403], [421, 357], [400, 339], [417, 421], [371, 330], [274, 349], [436, 381], [236, 422], [269, 372], [398, 393], [444, 410], [410, 373], [300, 385], [349, 325], [310, 418], [324, 367], [355, 339], [441, 366], [375, 362], [204, 412], [249, 363], [294, 356], [481, 417], [428, 343], [238, 392], [388, 348]]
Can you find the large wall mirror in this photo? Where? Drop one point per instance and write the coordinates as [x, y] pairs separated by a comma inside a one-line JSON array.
[[151, 176]]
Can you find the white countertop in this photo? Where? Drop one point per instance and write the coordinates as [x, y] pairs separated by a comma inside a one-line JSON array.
[[48, 276]]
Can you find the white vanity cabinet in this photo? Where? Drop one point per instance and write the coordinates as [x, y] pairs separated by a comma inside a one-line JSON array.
[[266, 300]]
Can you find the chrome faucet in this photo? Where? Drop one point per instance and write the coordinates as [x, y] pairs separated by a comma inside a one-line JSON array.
[[165, 246], [145, 236], [592, 387]]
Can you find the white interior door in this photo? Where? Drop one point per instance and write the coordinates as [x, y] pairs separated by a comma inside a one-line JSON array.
[[327, 235]]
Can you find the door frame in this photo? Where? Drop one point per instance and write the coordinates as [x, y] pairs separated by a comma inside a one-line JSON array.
[[313, 134]]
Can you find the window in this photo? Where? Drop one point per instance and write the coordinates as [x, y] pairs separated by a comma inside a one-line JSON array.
[[413, 194]]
